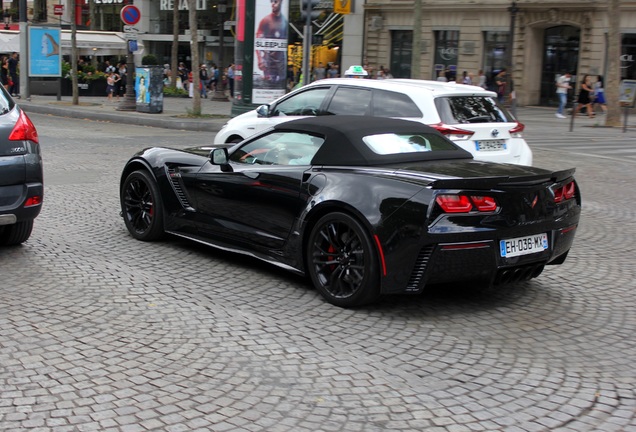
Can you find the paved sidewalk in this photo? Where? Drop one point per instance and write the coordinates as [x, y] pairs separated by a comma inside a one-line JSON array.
[[174, 115]]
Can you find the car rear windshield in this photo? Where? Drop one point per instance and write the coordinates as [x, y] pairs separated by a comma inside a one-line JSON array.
[[6, 103], [471, 109], [390, 143]]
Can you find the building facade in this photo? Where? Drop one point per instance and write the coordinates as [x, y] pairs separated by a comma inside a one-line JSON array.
[[534, 40], [153, 31]]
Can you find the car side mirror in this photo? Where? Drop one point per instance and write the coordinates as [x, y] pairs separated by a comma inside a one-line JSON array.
[[220, 156], [263, 111]]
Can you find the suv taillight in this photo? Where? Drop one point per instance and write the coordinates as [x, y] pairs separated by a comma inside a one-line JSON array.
[[517, 131], [24, 130], [453, 133]]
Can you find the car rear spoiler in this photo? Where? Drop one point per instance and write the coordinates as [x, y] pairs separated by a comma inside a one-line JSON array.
[[502, 181]]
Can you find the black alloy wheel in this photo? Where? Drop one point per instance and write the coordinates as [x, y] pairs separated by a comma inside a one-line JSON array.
[[141, 206], [342, 262]]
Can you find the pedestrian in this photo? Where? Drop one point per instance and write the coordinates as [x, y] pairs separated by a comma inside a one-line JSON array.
[[122, 71], [108, 68], [441, 76], [4, 72], [204, 79], [599, 94], [214, 77], [13, 65], [467, 79], [230, 78], [562, 88], [190, 87], [482, 79], [320, 72], [111, 85], [332, 71], [585, 98], [501, 80], [182, 73]]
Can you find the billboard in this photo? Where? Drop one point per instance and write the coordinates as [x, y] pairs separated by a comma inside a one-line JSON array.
[[269, 73], [44, 52]]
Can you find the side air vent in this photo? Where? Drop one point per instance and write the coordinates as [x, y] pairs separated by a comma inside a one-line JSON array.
[[419, 270], [175, 180]]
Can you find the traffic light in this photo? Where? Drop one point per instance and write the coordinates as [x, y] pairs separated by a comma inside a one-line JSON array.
[[310, 5]]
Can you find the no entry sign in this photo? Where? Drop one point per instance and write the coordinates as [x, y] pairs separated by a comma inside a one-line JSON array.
[[130, 14]]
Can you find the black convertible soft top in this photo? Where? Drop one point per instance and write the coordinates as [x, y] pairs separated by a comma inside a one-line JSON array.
[[343, 139]]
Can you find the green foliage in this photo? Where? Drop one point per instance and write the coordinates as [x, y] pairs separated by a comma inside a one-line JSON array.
[[87, 73], [173, 91], [149, 60]]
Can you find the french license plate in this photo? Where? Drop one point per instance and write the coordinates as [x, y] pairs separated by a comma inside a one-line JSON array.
[[490, 145], [523, 245]]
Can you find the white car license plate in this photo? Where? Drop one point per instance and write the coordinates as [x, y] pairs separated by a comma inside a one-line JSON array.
[[523, 245], [490, 145]]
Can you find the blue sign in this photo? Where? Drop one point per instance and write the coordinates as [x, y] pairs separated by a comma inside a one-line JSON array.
[[44, 52]]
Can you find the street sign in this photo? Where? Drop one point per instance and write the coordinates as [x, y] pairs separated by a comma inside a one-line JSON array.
[[130, 14], [131, 29], [58, 9]]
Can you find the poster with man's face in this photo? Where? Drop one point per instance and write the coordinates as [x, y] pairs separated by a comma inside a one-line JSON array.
[[270, 50]]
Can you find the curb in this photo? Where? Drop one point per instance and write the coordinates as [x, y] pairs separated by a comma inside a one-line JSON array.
[[139, 119]]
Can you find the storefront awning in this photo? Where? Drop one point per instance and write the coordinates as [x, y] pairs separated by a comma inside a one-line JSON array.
[[88, 43]]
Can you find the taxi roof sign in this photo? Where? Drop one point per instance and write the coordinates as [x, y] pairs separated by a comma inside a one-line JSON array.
[[356, 71]]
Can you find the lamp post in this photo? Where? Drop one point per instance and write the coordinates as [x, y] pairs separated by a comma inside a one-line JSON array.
[[513, 9], [219, 91]]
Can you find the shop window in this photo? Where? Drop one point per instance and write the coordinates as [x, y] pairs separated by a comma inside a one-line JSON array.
[[628, 56], [401, 52], [495, 48], [446, 54]]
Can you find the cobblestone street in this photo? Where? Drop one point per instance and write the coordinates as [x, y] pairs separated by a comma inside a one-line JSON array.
[[100, 332]]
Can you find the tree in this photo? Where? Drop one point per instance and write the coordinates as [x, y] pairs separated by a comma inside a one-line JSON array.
[[74, 56], [194, 55], [417, 40], [175, 44], [612, 82]]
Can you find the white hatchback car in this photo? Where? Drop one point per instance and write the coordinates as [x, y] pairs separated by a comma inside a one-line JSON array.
[[468, 115]]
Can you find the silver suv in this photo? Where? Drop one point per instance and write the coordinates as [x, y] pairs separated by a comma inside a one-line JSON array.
[[470, 116], [21, 177]]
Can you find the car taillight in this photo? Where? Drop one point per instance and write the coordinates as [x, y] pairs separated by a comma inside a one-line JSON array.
[[33, 201], [453, 133], [24, 130], [565, 192], [484, 203], [517, 131], [465, 203]]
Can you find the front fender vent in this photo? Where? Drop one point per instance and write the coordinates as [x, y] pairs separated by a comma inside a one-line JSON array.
[[416, 281], [175, 180]]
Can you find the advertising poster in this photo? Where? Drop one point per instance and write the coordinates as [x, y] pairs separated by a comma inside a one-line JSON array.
[[142, 80], [270, 50], [627, 92], [44, 52]]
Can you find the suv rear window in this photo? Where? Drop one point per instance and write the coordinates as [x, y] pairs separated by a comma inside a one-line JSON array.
[[6, 103], [392, 104], [350, 101], [471, 109]]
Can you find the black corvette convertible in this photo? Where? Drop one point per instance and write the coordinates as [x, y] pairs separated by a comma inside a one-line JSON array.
[[364, 206]]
